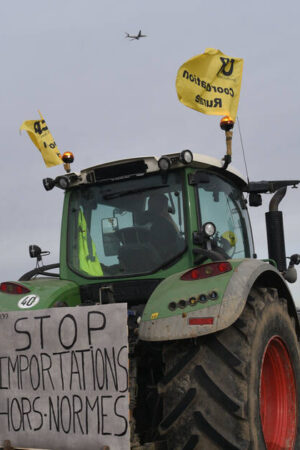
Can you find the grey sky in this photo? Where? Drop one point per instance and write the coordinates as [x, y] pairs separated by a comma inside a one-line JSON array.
[[105, 97]]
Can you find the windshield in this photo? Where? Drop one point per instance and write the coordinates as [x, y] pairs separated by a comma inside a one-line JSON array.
[[127, 227]]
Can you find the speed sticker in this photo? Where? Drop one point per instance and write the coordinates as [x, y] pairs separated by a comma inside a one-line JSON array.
[[29, 301]]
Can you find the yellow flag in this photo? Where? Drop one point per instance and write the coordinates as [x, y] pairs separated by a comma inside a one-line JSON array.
[[210, 83], [42, 138]]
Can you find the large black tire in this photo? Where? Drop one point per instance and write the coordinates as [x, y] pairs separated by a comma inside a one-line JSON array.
[[216, 389]]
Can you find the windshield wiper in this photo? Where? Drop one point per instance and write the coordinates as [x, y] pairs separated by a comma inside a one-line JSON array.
[[132, 191]]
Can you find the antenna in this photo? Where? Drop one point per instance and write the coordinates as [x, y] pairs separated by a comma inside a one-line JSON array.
[[245, 162]]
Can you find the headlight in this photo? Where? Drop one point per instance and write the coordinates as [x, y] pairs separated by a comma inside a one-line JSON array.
[[48, 184], [164, 163], [209, 229], [186, 157]]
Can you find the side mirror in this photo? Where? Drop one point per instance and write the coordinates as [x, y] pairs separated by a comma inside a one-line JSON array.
[[35, 252], [111, 241], [255, 199]]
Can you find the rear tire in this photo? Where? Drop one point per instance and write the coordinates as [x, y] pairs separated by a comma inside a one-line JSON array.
[[238, 388]]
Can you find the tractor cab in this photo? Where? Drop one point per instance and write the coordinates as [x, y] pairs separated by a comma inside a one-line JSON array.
[[145, 216]]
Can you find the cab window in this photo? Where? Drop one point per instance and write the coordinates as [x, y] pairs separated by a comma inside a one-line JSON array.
[[224, 205]]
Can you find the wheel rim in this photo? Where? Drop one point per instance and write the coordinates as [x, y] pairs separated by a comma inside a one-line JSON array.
[[278, 397]]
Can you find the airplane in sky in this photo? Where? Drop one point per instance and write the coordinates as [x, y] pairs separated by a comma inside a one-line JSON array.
[[137, 37]]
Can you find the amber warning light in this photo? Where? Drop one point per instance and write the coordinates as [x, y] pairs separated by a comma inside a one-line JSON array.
[[67, 158], [226, 123]]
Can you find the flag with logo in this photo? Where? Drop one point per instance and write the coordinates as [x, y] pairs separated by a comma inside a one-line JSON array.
[[210, 83], [42, 138]]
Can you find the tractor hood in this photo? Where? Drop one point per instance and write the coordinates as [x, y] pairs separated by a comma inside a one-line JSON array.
[[40, 293]]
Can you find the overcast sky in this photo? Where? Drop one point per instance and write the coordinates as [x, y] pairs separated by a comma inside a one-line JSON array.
[[105, 97]]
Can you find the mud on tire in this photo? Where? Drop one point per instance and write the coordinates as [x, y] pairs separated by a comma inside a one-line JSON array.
[[215, 389]]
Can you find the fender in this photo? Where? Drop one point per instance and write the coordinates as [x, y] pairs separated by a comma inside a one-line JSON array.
[[160, 324], [44, 293]]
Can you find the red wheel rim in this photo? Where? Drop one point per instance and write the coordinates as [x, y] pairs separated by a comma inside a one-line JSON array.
[[278, 404]]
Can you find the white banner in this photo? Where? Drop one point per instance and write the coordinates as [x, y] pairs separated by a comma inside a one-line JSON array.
[[64, 378]]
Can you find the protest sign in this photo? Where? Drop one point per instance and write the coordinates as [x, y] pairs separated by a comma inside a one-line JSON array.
[[64, 378]]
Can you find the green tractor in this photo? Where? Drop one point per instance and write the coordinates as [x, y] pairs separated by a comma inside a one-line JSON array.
[[213, 331]]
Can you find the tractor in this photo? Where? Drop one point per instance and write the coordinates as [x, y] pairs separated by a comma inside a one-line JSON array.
[[212, 330]]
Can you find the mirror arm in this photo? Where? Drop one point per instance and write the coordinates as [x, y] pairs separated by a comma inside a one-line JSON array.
[[211, 254]]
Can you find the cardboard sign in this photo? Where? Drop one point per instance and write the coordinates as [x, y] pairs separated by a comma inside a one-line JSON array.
[[64, 378]]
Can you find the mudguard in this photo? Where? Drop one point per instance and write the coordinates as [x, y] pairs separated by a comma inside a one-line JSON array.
[[192, 320], [44, 293]]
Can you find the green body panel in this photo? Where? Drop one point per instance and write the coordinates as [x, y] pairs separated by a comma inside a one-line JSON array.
[[49, 292], [173, 289], [233, 288]]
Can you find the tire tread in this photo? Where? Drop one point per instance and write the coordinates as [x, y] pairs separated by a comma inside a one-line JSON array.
[[206, 386]]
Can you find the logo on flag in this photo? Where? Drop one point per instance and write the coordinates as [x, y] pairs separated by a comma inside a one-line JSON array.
[[210, 83], [42, 138]]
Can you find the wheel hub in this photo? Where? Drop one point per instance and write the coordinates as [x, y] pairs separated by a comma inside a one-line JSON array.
[[278, 405]]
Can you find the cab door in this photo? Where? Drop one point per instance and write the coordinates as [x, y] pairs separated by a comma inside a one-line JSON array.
[[223, 204]]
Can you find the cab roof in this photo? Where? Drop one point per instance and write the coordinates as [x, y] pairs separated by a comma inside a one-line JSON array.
[[125, 168]]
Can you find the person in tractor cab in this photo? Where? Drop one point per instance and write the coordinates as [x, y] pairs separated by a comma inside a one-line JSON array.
[[165, 235]]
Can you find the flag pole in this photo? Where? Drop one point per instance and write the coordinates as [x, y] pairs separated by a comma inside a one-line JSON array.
[[227, 124]]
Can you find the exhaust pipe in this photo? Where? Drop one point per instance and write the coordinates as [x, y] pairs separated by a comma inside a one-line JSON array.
[[275, 230]]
